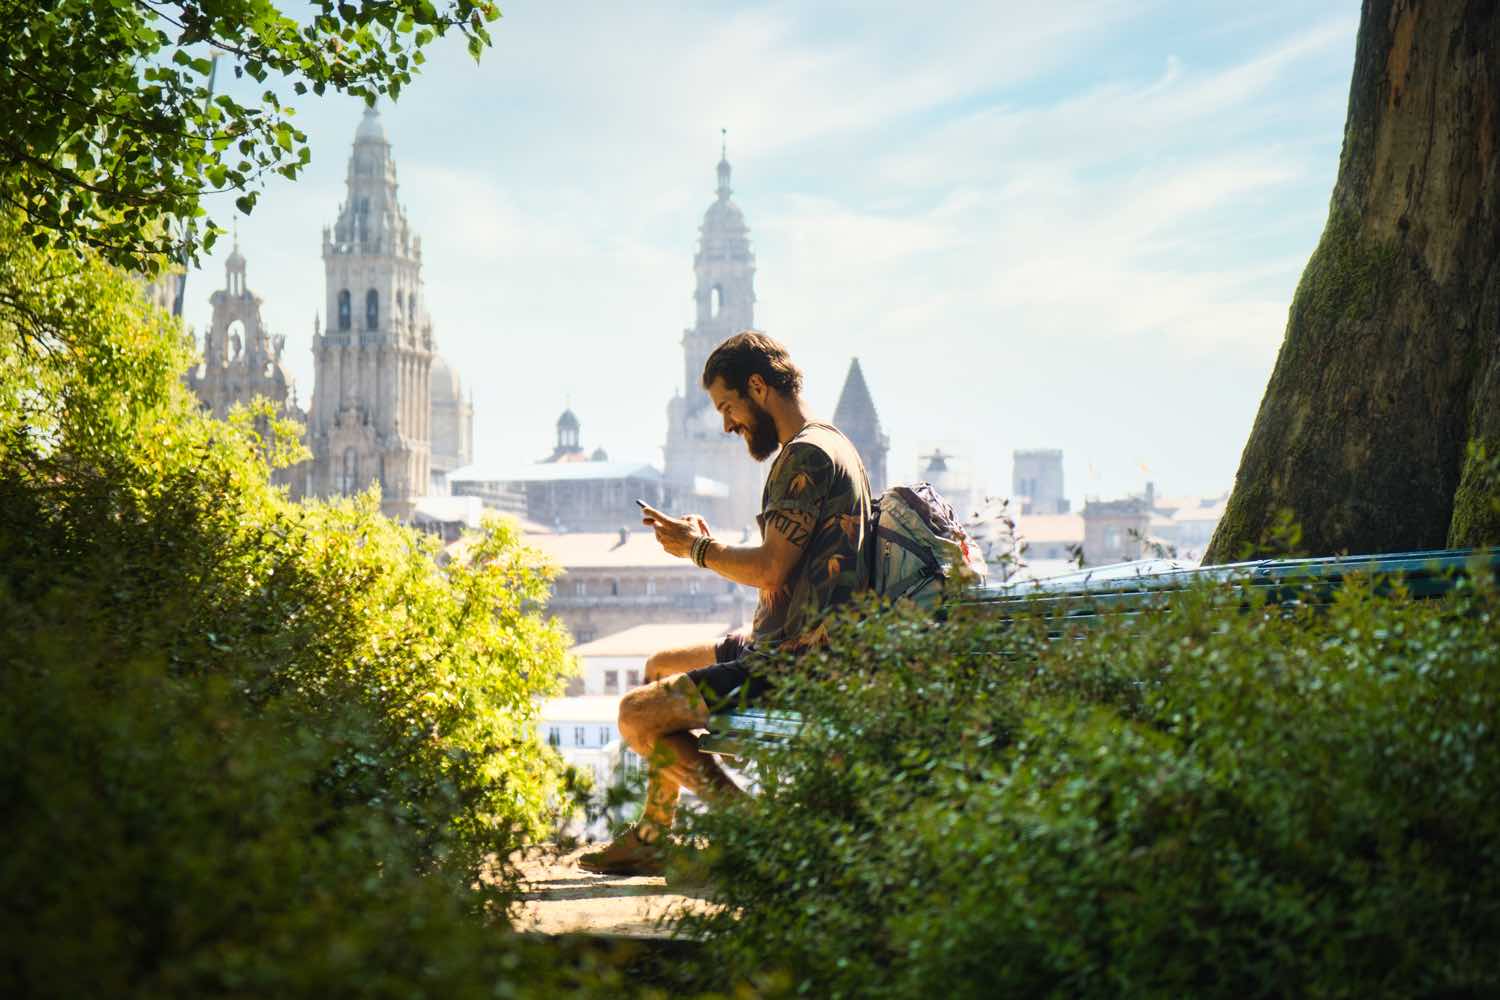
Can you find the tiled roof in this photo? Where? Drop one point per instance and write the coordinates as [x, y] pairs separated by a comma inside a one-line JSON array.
[[643, 640], [603, 550], [548, 472]]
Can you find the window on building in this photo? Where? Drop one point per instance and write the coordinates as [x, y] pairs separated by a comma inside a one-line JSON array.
[[372, 310], [614, 588], [692, 586], [584, 634], [397, 313], [344, 319], [411, 307], [611, 682], [554, 736], [605, 736], [633, 678], [580, 736], [715, 301], [580, 587], [650, 585]]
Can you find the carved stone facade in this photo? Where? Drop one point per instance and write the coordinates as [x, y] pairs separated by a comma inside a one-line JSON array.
[[370, 419], [241, 359], [709, 471]]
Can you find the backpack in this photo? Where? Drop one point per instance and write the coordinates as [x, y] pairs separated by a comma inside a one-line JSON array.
[[918, 549]]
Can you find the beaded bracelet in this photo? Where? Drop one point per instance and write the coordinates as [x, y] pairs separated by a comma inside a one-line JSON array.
[[699, 551]]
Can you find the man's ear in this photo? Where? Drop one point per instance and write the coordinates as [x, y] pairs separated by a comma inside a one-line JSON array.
[[756, 389]]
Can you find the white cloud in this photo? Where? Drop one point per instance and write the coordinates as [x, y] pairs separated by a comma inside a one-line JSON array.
[[1003, 256]]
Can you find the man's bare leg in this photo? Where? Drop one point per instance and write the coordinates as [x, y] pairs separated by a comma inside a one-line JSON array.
[[656, 721]]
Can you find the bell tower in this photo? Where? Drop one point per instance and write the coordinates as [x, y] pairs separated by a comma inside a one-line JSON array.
[[371, 405], [711, 472]]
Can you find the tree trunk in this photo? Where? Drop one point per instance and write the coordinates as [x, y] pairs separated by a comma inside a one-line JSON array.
[[1390, 367]]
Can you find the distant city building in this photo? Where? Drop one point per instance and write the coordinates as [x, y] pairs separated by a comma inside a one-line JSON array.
[[612, 581], [583, 729], [1036, 482], [855, 415], [452, 424], [370, 419], [616, 663], [1115, 530], [1187, 523], [710, 472], [570, 490]]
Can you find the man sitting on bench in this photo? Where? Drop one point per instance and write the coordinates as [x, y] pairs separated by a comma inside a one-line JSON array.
[[815, 509]]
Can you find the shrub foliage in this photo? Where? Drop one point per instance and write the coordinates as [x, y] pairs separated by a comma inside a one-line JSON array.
[[246, 745], [1196, 802]]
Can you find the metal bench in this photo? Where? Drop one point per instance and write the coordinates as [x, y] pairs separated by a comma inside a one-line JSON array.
[[1086, 597]]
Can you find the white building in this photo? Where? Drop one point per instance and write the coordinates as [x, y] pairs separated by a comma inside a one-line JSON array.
[[616, 663]]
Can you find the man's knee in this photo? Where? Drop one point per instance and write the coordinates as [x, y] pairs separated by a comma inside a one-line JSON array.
[[667, 706], [633, 717]]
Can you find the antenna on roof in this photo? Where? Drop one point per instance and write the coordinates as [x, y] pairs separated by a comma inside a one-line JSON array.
[[723, 144]]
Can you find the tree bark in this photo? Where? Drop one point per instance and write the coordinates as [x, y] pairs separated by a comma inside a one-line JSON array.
[[1389, 374]]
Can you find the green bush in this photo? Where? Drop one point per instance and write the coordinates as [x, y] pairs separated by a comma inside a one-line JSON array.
[[247, 746], [1200, 802]]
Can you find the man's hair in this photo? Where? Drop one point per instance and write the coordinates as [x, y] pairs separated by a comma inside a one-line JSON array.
[[751, 352]]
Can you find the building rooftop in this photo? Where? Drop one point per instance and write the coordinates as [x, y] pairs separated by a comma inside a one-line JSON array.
[[551, 472], [643, 640], [605, 550], [465, 510]]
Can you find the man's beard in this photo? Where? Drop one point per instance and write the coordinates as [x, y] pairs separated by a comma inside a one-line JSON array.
[[760, 435]]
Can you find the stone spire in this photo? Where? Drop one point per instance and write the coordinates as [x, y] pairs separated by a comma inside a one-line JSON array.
[[855, 415]]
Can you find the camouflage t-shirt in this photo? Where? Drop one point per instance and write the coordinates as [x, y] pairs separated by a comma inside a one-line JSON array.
[[818, 488]]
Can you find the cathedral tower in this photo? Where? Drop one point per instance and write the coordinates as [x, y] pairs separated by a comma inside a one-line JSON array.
[[709, 471], [371, 412]]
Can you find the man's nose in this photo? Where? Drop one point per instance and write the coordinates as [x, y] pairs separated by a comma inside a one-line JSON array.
[[728, 426]]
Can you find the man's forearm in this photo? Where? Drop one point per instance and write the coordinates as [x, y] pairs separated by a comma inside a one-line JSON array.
[[747, 564]]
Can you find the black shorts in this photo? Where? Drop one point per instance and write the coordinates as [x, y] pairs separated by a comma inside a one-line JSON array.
[[729, 682]]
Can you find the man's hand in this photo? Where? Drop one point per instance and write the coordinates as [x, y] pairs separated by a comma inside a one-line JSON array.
[[676, 535]]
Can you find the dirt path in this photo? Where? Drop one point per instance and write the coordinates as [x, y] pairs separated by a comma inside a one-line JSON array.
[[561, 898]]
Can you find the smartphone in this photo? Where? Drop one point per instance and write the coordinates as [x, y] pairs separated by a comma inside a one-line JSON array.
[[643, 505]]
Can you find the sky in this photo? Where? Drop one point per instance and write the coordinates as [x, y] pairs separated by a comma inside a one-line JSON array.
[[1072, 225]]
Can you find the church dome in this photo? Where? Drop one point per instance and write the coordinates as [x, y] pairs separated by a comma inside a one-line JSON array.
[[567, 422], [723, 218], [370, 129], [443, 382], [599, 455]]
